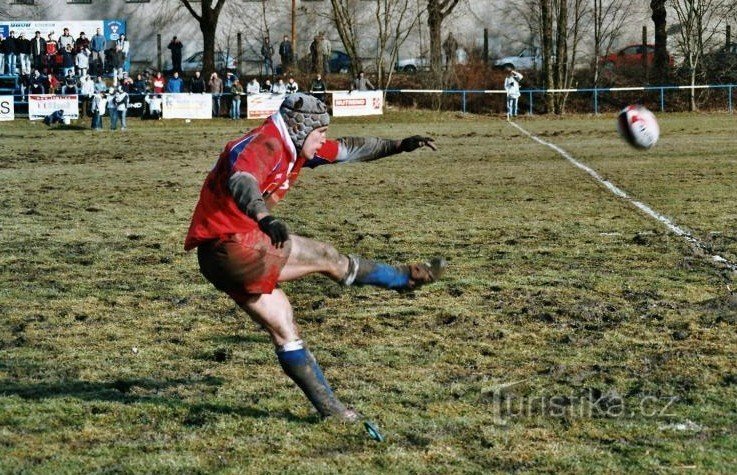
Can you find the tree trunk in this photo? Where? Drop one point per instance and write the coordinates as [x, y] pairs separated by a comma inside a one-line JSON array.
[[343, 19], [546, 40], [437, 11], [208, 20], [561, 52], [660, 61]]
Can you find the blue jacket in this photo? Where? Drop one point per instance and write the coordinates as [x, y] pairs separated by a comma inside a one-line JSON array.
[[97, 43], [174, 85]]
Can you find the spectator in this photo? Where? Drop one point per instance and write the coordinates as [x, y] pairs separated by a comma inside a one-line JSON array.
[[38, 51], [66, 40], [450, 45], [67, 60], [316, 55], [197, 84], [318, 88], [11, 51], [279, 87], [361, 83], [154, 106], [100, 86], [37, 83], [82, 61], [97, 108], [286, 54], [24, 51], [511, 85], [140, 86], [53, 84], [97, 47], [253, 87], [326, 49], [292, 86], [235, 108], [176, 54], [81, 43], [122, 48], [52, 50], [112, 111], [87, 92], [216, 89], [159, 83], [70, 82], [267, 51], [121, 101], [127, 84], [267, 86], [230, 78], [174, 85], [2, 54]]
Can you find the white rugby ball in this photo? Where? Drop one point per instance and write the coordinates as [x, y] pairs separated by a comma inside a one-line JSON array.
[[638, 126]]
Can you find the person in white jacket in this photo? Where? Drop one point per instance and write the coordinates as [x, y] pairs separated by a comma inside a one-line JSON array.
[[82, 62], [511, 85], [253, 87]]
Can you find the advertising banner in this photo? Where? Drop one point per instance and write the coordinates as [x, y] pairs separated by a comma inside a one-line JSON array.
[[358, 103], [7, 108], [260, 106], [187, 106], [39, 106], [112, 29]]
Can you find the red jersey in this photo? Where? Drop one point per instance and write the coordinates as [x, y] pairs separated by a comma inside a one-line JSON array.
[[268, 154]]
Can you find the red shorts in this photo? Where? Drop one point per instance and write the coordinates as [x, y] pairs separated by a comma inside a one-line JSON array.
[[243, 264]]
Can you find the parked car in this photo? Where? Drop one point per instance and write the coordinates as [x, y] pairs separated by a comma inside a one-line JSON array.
[[631, 56], [193, 63], [339, 62], [412, 65], [528, 58]]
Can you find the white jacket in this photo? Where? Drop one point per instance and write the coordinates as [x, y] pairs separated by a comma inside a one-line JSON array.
[[511, 85]]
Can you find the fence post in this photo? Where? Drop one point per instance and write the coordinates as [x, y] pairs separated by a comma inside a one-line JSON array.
[[730, 98], [464, 101], [662, 99], [596, 101], [530, 113], [158, 52]]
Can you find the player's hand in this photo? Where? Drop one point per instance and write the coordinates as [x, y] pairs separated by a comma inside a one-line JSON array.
[[275, 229], [410, 144]]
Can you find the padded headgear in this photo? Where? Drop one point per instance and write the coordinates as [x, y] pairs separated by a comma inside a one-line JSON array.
[[303, 114]]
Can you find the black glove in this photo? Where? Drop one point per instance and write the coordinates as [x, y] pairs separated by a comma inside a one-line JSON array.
[[275, 229], [410, 144]]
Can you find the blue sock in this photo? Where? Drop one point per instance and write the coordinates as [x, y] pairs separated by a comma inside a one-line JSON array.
[[383, 275], [302, 368]]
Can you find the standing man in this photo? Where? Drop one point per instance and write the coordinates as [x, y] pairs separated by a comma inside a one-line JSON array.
[[318, 88], [245, 251], [38, 51], [24, 51], [511, 85], [216, 89], [176, 54], [174, 84], [121, 100], [267, 51], [2, 54], [450, 45], [197, 84], [97, 47], [314, 53], [286, 54], [66, 39], [326, 50], [11, 51], [361, 83], [52, 49]]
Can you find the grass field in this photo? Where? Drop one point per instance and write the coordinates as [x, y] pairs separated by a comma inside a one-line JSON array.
[[572, 333]]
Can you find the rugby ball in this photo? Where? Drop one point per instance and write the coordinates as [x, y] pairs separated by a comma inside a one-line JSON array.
[[638, 126]]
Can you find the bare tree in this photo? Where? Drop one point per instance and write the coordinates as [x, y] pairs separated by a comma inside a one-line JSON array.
[[700, 20], [345, 19], [608, 17], [659, 17], [437, 11], [395, 21], [208, 20]]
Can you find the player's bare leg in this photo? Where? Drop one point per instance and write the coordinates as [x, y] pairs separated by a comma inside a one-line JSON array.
[[274, 313], [308, 256]]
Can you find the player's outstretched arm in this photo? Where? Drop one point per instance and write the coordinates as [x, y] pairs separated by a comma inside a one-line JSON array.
[[366, 149]]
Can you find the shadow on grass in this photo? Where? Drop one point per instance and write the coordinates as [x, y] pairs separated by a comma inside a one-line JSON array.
[[120, 391]]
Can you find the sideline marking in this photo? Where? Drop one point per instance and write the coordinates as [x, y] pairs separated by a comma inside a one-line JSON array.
[[675, 229]]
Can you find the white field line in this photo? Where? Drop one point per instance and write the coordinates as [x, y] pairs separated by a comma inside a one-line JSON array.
[[672, 227]]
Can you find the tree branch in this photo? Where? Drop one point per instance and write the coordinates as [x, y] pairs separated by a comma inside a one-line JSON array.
[[188, 6]]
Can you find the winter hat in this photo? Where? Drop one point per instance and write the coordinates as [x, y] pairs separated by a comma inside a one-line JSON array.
[[303, 114]]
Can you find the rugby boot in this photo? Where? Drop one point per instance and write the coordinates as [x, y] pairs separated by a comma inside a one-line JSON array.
[[426, 272]]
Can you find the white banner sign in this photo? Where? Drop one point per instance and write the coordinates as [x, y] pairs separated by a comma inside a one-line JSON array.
[[39, 106], [358, 103], [111, 29], [260, 106], [7, 108], [187, 106]]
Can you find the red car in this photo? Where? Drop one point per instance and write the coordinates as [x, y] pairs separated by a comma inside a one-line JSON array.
[[631, 56]]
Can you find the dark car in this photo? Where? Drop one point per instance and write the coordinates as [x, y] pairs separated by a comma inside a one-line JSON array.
[[631, 56], [339, 62]]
